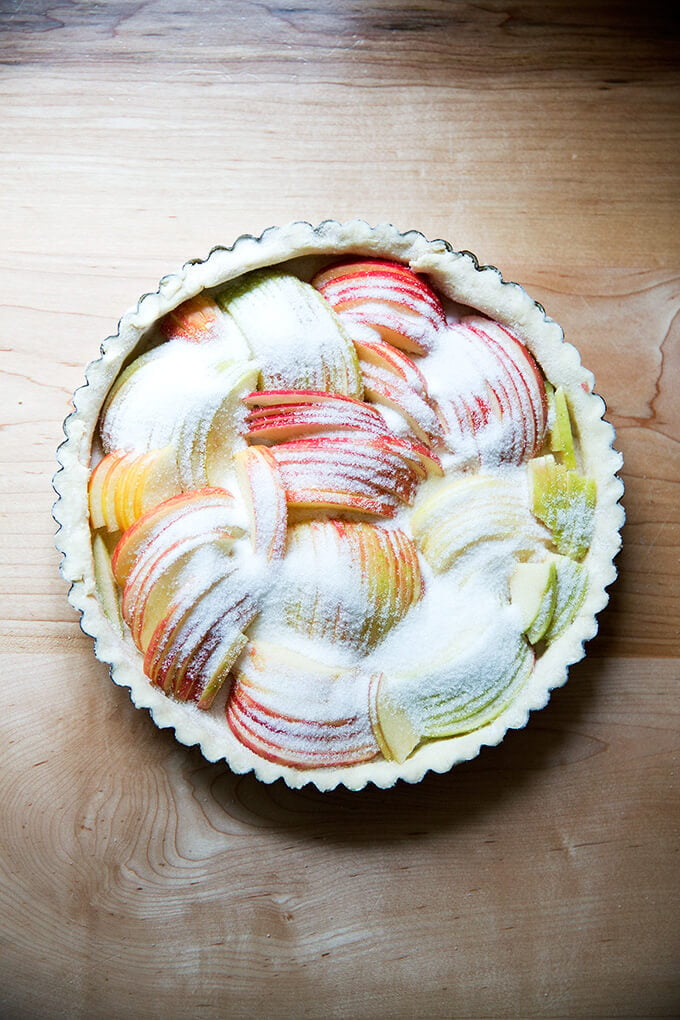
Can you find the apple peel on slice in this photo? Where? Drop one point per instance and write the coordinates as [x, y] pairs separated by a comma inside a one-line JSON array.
[[298, 340], [460, 686], [565, 502], [348, 582], [388, 297], [262, 488], [472, 510], [533, 592], [124, 486], [299, 712], [207, 513]]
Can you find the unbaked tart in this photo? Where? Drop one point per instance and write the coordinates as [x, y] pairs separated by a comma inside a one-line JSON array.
[[338, 504]]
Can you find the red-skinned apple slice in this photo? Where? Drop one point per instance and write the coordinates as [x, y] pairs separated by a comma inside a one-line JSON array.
[[197, 321], [196, 643], [389, 358], [210, 512], [386, 296], [310, 413], [157, 574], [365, 474], [263, 490], [293, 710], [385, 387], [494, 407]]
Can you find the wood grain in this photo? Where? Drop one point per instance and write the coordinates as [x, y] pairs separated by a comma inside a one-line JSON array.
[[540, 880]]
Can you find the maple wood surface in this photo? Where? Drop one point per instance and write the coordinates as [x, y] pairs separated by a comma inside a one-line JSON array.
[[541, 879]]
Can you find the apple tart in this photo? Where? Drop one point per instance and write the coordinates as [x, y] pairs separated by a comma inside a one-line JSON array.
[[338, 504]]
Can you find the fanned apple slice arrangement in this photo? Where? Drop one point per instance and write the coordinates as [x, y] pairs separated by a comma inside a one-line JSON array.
[[337, 515]]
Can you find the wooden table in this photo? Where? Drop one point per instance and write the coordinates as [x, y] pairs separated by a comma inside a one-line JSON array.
[[539, 880]]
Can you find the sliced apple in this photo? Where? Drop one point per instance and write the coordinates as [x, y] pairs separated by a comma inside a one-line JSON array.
[[363, 474], [385, 356], [493, 405], [386, 296], [282, 415], [462, 512], [173, 395], [462, 682], [200, 320], [298, 712], [533, 591], [207, 437], [105, 584], [299, 341], [123, 486], [205, 512], [201, 635], [570, 591], [385, 387], [347, 582], [159, 571], [565, 502], [561, 435], [263, 490]]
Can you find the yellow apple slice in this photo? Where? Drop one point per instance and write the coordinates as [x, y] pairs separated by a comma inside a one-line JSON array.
[[394, 729]]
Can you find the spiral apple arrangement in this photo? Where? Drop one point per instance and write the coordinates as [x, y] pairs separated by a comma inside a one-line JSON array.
[[345, 516]]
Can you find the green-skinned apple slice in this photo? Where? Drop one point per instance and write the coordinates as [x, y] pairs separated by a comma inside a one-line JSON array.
[[564, 501], [387, 297], [561, 433], [263, 491], [463, 681], [348, 582], [295, 711], [533, 592], [105, 583], [459, 513], [571, 587], [298, 340]]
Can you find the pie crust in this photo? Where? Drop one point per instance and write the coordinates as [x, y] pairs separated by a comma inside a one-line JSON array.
[[304, 249]]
